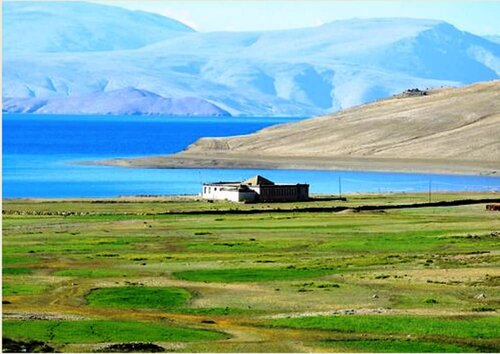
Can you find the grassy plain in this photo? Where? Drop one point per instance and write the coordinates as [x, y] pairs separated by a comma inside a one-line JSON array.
[[82, 274]]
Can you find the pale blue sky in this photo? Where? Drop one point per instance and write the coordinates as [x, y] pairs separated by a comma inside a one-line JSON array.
[[479, 17]]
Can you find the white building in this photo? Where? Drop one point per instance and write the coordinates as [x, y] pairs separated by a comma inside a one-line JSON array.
[[255, 189]]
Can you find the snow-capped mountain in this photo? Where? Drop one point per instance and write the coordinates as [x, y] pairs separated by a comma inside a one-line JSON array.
[[34, 27], [55, 52]]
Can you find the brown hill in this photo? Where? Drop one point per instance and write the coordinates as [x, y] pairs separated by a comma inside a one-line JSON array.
[[447, 130]]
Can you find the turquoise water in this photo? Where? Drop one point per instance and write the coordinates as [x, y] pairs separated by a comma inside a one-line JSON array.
[[39, 154]]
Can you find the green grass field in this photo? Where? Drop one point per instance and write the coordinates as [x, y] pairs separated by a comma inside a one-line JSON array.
[[393, 346], [245, 275], [80, 275], [62, 332], [138, 297], [486, 327]]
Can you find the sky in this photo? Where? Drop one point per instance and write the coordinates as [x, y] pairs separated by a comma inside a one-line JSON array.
[[478, 17]]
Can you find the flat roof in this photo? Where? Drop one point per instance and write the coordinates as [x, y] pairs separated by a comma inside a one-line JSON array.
[[244, 184], [284, 185], [222, 184]]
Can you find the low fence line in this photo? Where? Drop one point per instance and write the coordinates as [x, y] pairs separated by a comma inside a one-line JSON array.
[[333, 209]]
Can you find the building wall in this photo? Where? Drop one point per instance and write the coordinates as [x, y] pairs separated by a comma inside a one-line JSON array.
[[262, 193], [226, 193], [231, 195], [282, 193], [303, 191], [250, 196]]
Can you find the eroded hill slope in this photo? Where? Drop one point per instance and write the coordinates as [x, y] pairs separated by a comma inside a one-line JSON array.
[[456, 123]]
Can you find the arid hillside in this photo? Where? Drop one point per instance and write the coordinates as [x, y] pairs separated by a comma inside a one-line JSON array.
[[454, 130], [454, 123]]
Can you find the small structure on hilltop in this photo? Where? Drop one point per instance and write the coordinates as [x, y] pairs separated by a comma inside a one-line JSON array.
[[255, 189], [414, 92]]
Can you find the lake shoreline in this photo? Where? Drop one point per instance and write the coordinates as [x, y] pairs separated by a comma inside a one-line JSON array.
[[75, 162], [185, 160]]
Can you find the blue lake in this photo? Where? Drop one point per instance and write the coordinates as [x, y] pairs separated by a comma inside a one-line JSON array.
[[39, 152]]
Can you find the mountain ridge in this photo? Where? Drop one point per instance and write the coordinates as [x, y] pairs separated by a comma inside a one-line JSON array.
[[298, 72], [52, 27], [126, 101]]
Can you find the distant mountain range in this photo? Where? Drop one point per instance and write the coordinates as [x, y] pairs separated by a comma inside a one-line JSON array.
[[127, 101], [83, 58]]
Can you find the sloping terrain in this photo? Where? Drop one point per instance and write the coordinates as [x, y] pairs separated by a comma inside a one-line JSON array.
[[493, 38], [44, 27], [75, 50], [451, 123], [453, 127]]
